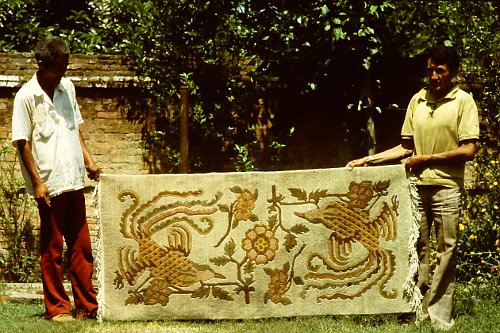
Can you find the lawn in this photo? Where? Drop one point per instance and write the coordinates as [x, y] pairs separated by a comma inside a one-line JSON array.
[[477, 310]]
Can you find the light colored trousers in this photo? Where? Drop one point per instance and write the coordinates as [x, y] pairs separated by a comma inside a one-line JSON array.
[[439, 207]]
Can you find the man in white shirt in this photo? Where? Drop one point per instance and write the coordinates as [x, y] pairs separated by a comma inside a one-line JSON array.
[[54, 156]]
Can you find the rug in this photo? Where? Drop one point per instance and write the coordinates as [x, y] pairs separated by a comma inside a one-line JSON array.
[[257, 244]]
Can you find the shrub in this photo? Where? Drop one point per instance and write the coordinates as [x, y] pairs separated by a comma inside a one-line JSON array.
[[480, 241], [19, 258]]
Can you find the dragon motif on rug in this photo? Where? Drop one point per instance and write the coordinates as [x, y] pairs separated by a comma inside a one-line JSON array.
[[350, 224]]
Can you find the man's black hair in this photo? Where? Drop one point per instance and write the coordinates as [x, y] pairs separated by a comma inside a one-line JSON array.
[[444, 55], [49, 48]]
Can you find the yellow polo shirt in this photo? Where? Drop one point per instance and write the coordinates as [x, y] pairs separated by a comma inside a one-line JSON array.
[[437, 126]]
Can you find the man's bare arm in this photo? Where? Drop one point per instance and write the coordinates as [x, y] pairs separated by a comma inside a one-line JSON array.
[[397, 153], [93, 169], [41, 191], [465, 152]]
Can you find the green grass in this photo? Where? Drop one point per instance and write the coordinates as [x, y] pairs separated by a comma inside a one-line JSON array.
[[477, 310]]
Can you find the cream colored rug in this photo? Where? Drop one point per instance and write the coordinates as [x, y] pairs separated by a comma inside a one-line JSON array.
[[257, 244]]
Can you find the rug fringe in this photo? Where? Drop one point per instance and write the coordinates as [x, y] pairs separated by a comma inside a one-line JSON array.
[[96, 205], [412, 292]]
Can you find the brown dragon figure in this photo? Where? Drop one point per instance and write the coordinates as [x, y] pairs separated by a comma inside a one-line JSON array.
[[349, 223], [168, 266]]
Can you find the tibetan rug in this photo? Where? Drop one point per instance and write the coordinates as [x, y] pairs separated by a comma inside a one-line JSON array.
[[257, 244]]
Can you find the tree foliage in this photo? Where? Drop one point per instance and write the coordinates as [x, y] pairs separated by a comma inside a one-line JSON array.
[[194, 44], [303, 43], [206, 45], [23, 22]]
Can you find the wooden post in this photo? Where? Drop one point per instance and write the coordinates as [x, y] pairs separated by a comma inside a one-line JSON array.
[[184, 130]]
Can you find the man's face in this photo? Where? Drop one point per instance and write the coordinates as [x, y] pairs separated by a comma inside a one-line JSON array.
[[440, 78], [54, 71]]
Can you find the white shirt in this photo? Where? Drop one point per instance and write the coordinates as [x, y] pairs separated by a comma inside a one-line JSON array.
[[52, 130]]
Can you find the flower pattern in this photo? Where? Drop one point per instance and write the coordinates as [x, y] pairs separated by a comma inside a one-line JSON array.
[[157, 293], [244, 206], [260, 244], [277, 286], [360, 194]]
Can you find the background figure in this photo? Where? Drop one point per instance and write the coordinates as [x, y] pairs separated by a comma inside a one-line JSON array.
[[440, 133], [54, 156]]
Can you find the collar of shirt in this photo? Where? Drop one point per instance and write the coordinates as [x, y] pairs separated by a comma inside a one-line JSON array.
[[38, 91], [425, 95]]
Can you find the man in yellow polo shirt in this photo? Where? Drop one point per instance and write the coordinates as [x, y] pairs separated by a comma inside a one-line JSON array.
[[439, 134]]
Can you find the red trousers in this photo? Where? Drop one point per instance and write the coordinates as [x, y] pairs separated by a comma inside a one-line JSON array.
[[66, 217]]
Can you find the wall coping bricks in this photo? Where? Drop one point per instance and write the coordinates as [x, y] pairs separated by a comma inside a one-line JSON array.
[[86, 71]]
